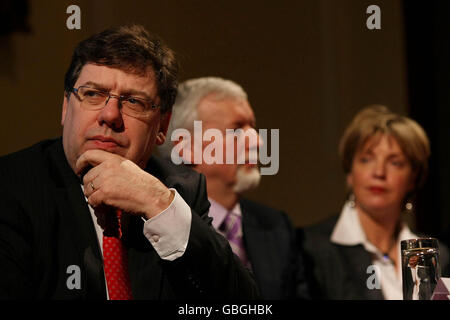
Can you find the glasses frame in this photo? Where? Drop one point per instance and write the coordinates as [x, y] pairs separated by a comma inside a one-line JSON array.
[[120, 98]]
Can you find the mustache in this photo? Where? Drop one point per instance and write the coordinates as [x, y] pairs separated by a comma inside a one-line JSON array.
[[108, 137]]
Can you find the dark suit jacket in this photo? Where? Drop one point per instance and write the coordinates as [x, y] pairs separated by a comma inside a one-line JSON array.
[[340, 272], [272, 249], [46, 226], [427, 281]]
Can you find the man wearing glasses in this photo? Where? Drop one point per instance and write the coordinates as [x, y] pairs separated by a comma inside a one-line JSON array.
[[93, 215]]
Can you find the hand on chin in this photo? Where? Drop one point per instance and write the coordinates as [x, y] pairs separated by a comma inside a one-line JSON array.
[[115, 181]]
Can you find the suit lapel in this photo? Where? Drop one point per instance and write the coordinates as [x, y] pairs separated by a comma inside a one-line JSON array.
[[146, 275], [72, 205], [357, 260], [143, 267], [260, 244], [253, 237]]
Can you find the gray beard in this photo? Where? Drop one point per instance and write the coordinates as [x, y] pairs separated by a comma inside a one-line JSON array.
[[246, 179]]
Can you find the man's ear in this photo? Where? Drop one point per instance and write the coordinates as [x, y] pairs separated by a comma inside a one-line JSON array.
[[64, 108], [163, 127], [184, 148]]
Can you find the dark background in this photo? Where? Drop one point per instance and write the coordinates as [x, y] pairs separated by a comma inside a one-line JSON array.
[[428, 56], [308, 66]]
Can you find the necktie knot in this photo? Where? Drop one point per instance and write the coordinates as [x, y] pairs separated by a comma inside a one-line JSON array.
[[113, 226], [231, 225]]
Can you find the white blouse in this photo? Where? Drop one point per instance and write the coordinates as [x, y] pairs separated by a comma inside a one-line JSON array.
[[349, 232]]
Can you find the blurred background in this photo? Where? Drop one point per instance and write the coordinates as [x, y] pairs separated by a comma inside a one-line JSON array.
[[307, 65]]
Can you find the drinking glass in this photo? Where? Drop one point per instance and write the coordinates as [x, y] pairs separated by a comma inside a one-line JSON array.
[[420, 268]]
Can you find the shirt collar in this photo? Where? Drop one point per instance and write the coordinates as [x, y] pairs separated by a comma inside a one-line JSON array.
[[219, 212], [349, 232]]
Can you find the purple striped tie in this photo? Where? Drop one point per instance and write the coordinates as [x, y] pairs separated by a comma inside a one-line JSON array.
[[232, 229]]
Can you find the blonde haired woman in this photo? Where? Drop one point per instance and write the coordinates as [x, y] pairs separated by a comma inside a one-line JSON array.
[[385, 159]]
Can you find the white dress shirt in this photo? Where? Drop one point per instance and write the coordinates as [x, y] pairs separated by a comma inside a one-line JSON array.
[[348, 231], [416, 281], [168, 231]]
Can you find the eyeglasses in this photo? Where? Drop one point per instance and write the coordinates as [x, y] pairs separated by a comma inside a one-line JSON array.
[[95, 99]]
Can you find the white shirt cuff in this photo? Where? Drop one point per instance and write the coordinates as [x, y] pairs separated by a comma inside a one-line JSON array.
[[168, 231]]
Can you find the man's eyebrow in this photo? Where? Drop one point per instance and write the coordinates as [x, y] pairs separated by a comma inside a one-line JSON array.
[[128, 92], [96, 85], [137, 93], [242, 122]]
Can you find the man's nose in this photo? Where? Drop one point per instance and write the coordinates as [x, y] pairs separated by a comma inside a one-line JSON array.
[[259, 141], [110, 114], [252, 144]]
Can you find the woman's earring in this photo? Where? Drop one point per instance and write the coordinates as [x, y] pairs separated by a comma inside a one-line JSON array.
[[409, 206], [352, 200]]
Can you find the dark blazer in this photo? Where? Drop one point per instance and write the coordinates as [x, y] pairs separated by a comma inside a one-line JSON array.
[[340, 272], [46, 227], [426, 287], [271, 247], [427, 281]]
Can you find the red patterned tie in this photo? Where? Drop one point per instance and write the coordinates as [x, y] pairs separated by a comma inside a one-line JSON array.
[[115, 260]]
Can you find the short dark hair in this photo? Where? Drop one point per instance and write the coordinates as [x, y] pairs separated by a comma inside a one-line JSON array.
[[132, 49]]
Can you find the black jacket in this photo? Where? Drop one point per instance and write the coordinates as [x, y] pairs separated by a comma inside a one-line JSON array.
[[273, 251], [340, 272], [46, 227]]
